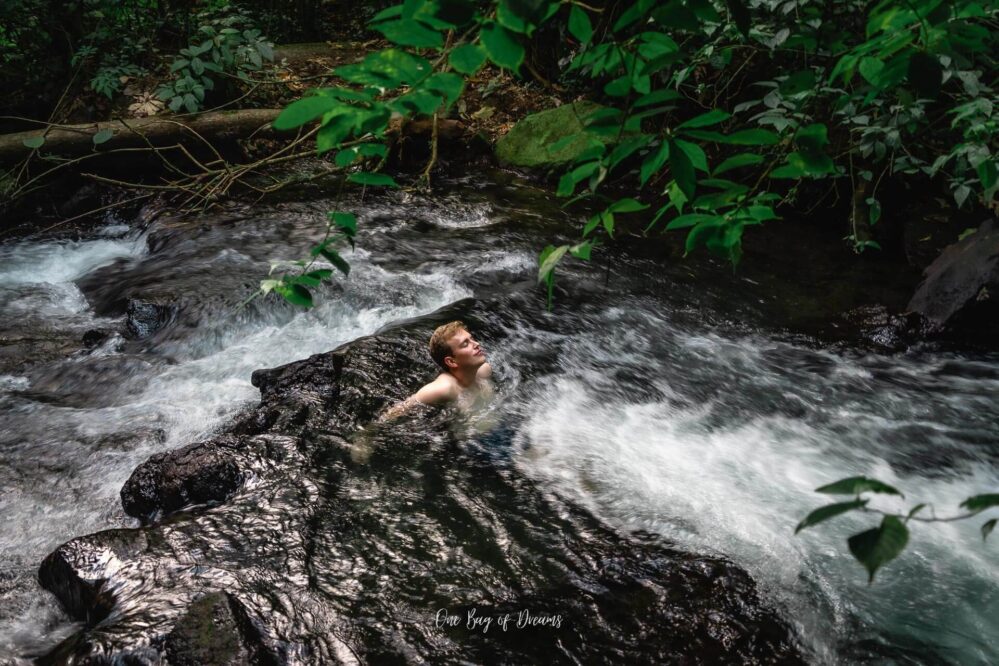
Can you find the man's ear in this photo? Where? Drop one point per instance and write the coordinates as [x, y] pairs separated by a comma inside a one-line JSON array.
[[450, 362]]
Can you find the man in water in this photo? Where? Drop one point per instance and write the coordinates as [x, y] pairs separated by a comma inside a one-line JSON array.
[[465, 377]]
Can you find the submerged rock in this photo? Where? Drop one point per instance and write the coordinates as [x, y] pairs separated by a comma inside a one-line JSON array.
[[301, 551], [960, 292], [143, 318]]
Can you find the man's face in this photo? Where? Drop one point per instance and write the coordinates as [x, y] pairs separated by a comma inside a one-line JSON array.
[[465, 351]]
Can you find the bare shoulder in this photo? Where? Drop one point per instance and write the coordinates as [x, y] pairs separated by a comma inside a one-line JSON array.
[[485, 371], [443, 389]]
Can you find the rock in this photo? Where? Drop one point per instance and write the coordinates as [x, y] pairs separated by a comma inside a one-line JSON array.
[[144, 318], [215, 632], [196, 474], [527, 142], [78, 571], [960, 290], [884, 330], [299, 553]]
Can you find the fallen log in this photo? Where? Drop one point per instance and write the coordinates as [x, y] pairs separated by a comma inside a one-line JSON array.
[[195, 131]]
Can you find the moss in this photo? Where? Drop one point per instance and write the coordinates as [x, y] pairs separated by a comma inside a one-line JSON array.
[[526, 144]]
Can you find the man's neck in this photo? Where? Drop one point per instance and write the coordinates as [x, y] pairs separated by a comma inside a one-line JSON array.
[[464, 376]]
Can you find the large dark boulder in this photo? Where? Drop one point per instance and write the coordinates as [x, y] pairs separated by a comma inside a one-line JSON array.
[[960, 292], [196, 474]]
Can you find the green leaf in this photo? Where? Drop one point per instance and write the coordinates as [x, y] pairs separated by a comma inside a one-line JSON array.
[[579, 25], [695, 153], [752, 137], [468, 58], [368, 178], [103, 136], [591, 224], [303, 111], [855, 485], [447, 84], [407, 32], [876, 547], [345, 222], [875, 210], [608, 219], [798, 83], [632, 14], [502, 46], [829, 511], [812, 137], [34, 142], [683, 170], [737, 161], [653, 163], [627, 205], [871, 69], [549, 258], [295, 294], [332, 256], [689, 220], [712, 117], [988, 527], [988, 173], [657, 97], [619, 87], [582, 250], [981, 502]]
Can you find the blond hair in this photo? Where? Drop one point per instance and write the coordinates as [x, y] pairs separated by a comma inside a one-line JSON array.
[[440, 347]]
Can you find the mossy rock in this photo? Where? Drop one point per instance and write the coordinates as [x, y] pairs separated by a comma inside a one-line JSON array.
[[527, 142]]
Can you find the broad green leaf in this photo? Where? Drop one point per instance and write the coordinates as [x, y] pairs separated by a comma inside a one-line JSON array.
[[579, 25], [103, 136], [332, 256], [988, 173], [871, 69], [737, 161], [689, 220], [632, 14], [712, 117], [447, 84], [855, 485], [34, 142], [876, 547], [625, 149], [608, 220], [653, 162], [627, 205], [707, 233], [368, 178], [591, 224], [812, 137], [619, 87], [502, 46], [981, 502], [798, 83], [345, 222], [337, 126], [657, 97], [695, 153], [295, 294], [987, 528], [874, 210], [829, 511], [410, 33], [752, 137], [468, 58], [582, 250], [303, 111], [550, 257], [683, 170]]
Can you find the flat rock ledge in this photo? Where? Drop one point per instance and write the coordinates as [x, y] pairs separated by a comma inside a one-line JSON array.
[[269, 544]]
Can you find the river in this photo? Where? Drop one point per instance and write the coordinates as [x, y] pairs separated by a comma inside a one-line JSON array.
[[665, 396]]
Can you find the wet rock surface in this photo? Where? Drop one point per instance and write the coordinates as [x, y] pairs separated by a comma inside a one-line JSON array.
[[960, 292], [298, 537]]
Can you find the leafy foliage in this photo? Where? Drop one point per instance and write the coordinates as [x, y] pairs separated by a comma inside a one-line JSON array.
[[880, 545]]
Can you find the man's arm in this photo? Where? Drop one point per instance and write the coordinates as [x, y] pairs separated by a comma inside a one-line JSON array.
[[436, 392]]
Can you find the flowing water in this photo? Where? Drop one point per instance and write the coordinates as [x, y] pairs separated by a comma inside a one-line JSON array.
[[665, 396]]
